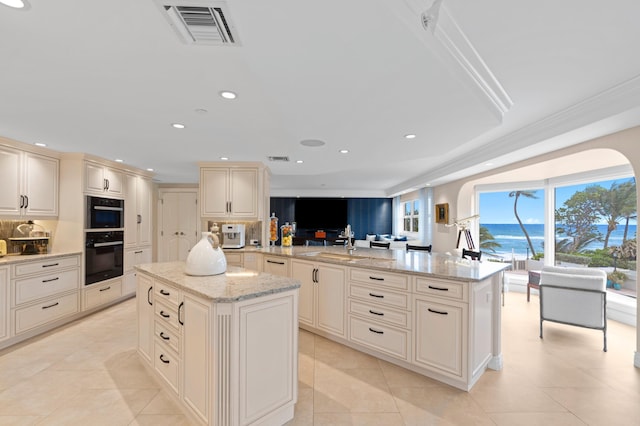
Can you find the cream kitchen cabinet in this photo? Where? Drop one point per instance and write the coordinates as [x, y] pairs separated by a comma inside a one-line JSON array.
[[100, 179], [230, 192], [144, 302], [275, 265], [102, 293], [322, 296], [30, 184], [4, 303], [233, 258], [133, 257], [137, 211]]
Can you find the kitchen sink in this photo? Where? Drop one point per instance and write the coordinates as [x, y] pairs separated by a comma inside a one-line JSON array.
[[346, 257]]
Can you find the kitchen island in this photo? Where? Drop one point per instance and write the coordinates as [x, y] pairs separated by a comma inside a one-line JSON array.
[[225, 347], [433, 313]]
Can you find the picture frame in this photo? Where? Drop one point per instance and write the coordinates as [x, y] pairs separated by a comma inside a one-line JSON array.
[[442, 213]]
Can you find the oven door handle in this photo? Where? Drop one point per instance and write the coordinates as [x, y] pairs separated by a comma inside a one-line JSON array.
[[113, 243], [111, 209]]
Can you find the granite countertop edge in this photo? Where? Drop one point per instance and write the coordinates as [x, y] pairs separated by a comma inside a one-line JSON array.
[[12, 259]]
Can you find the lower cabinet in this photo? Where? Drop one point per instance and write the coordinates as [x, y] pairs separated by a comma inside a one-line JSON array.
[[196, 337], [233, 259], [44, 312], [441, 336], [133, 257], [4, 303], [322, 296], [144, 304], [102, 293], [275, 265]]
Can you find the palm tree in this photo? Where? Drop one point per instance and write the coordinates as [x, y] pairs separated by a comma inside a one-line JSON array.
[[487, 240], [527, 194]]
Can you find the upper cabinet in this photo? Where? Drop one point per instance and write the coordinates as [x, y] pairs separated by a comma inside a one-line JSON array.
[[234, 192], [101, 180], [29, 184], [137, 210]]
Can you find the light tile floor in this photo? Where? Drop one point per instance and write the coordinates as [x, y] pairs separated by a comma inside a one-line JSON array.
[[88, 373]]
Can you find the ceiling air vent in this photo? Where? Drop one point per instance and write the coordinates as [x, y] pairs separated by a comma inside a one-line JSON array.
[[200, 22], [280, 158]]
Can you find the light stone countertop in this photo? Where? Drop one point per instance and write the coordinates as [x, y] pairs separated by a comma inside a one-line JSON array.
[[438, 265], [12, 259], [234, 285]]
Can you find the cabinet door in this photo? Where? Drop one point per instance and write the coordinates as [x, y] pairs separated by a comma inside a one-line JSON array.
[[41, 185], [305, 272], [115, 181], [144, 189], [330, 302], [214, 192], [10, 173], [130, 211], [196, 335], [243, 193], [94, 178], [439, 336], [178, 224], [4, 303], [144, 300]]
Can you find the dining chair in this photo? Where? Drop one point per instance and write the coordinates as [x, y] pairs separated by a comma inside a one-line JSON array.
[[378, 244], [534, 282], [419, 248], [470, 254]]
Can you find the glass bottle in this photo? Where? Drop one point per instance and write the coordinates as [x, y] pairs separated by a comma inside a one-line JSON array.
[[273, 229], [287, 235]]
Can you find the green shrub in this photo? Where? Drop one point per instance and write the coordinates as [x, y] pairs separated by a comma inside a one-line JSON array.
[[573, 258]]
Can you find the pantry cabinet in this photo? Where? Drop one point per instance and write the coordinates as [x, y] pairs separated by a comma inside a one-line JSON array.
[[30, 184], [137, 211], [321, 303]]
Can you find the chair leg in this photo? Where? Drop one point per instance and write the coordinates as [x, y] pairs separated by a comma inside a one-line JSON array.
[[541, 328], [528, 292]]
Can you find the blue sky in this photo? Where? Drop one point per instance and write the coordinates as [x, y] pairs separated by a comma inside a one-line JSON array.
[[497, 207]]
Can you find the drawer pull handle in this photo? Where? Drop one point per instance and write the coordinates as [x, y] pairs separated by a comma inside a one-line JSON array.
[[51, 306], [180, 316], [166, 361], [148, 294], [376, 313], [164, 293], [50, 265], [273, 261], [373, 330], [52, 279], [376, 278], [105, 289], [379, 296], [163, 315], [164, 337], [137, 252], [437, 312], [438, 288]]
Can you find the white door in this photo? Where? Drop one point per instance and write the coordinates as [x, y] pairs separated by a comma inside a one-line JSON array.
[[179, 224]]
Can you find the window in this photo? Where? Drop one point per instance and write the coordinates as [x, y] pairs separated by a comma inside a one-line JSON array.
[[411, 216]]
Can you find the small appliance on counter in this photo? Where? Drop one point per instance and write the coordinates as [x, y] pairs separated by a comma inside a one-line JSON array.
[[29, 238], [233, 236]]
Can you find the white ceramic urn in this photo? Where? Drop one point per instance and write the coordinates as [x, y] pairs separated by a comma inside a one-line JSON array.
[[206, 257]]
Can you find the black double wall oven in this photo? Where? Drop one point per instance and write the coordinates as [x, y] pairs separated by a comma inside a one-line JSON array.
[[104, 239]]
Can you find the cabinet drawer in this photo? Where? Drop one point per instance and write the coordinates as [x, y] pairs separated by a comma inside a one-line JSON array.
[[383, 297], [379, 313], [29, 289], [442, 288], [167, 336], [167, 364], [166, 293], [166, 314], [103, 293], [233, 259], [387, 279], [46, 311], [382, 338], [48, 266]]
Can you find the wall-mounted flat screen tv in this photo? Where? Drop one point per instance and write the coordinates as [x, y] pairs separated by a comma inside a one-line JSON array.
[[321, 213]]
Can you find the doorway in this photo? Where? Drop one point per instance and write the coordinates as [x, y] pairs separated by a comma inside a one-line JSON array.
[[178, 223]]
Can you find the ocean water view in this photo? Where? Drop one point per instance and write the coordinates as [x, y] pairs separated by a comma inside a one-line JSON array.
[[512, 240]]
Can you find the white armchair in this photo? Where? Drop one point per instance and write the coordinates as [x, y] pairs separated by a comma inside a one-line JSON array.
[[574, 296]]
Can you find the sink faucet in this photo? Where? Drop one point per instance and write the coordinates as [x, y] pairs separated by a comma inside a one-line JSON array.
[[347, 233]]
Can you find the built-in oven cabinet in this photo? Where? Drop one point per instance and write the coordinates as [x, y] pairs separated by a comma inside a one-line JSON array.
[[30, 184], [44, 291], [100, 179], [137, 212]]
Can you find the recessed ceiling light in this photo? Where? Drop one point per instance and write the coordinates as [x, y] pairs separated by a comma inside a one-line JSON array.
[[488, 164], [427, 184], [119, 160], [149, 169], [410, 136], [344, 151], [178, 126], [201, 111], [16, 4], [40, 144], [228, 95], [299, 161], [224, 158], [313, 143]]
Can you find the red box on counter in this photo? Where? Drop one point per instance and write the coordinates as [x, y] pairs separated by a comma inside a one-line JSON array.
[[321, 234]]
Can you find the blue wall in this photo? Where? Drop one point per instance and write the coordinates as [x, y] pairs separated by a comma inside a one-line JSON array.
[[366, 215]]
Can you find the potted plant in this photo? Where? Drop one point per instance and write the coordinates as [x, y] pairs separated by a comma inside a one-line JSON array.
[[617, 278]]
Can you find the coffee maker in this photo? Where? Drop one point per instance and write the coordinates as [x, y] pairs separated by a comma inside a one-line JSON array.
[[233, 236]]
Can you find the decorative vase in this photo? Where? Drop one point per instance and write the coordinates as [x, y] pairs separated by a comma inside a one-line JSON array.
[[206, 257], [617, 286]]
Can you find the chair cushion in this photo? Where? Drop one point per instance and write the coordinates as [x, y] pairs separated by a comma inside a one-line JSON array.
[[584, 278]]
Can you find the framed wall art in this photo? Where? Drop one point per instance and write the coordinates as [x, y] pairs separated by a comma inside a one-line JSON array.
[[442, 213]]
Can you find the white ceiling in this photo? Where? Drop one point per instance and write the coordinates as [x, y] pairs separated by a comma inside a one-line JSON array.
[[492, 82]]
